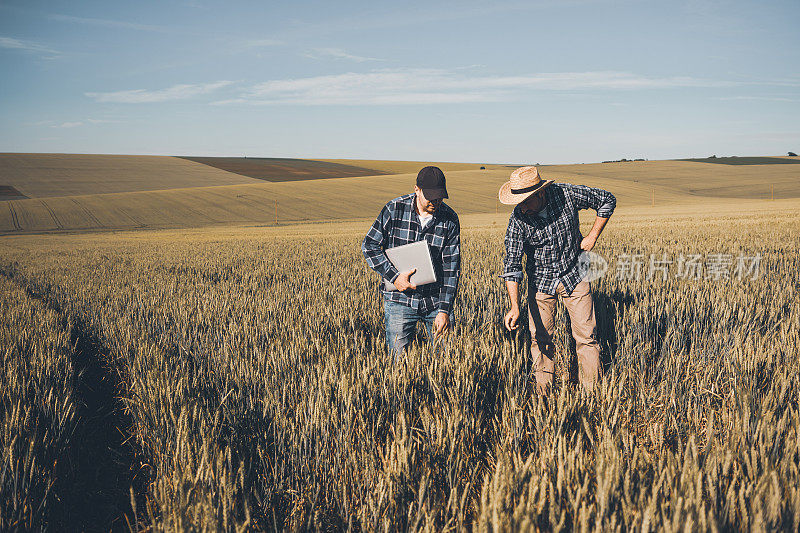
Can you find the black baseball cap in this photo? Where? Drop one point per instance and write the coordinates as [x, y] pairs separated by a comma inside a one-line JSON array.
[[431, 181]]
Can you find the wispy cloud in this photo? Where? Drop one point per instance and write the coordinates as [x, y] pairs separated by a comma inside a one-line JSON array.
[[74, 123], [144, 96], [67, 125], [27, 46], [262, 43], [437, 86], [337, 53], [112, 23], [759, 98]]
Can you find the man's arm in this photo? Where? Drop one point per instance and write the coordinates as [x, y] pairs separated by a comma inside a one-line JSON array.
[[602, 201], [512, 270], [592, 198], [375, 243], [589, 241], [451, 269], [512, 317]]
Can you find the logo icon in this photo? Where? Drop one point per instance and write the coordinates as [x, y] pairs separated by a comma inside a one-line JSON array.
[[591, 266]]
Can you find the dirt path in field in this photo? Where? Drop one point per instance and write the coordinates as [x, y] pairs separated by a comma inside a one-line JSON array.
[[96, 494]]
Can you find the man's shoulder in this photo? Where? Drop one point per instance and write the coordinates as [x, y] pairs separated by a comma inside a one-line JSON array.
[[560, 191], [448, 213], [516, 217], [404, 201], [574, 188]]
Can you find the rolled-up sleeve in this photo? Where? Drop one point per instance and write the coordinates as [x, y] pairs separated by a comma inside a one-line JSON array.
[[512, 265], [374, 245], [600, 200], [451, 268]]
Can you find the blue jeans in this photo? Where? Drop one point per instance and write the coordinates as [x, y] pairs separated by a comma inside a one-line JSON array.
[[401, 324]]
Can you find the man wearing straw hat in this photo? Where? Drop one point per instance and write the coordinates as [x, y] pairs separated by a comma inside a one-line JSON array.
[[544, 225], [421, 215]]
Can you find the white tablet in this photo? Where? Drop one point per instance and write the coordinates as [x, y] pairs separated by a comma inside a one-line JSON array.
[[409, 256]]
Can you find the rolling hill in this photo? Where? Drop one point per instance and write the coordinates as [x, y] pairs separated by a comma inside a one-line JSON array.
[[88, 193], [48, 175]]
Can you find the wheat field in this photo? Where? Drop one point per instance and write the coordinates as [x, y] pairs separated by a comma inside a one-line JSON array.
[[258, 393], [39, 407]]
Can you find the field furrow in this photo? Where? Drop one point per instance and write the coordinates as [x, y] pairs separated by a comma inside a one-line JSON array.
[[14, 218], [95, 468], [39, 412], [53, 215]]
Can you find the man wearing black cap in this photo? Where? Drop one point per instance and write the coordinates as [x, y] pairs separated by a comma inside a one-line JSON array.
[[407, 219]]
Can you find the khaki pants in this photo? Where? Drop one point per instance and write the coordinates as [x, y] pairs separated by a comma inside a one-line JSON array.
[[541, 310]]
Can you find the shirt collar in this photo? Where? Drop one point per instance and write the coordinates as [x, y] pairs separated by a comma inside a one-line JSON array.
[[413, 208]]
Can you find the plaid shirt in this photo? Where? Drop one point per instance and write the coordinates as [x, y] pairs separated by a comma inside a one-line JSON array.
[[398, 224], [552, 241]]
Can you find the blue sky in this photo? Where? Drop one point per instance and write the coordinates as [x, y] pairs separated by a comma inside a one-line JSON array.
[[552, 81]]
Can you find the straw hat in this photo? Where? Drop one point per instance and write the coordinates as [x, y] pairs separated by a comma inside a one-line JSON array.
[[524, 182]]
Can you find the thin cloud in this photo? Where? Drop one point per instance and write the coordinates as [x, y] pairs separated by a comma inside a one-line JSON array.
[[263, 43], [337, 53], [758, 98], [437, 86], [773, 82], [112, 23], [73, 124], [67, 125], [27, 46], [143, 96]]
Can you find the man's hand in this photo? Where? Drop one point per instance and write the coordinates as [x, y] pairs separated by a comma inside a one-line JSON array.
[[441, 324], [402, 283], [588, 243], [511, 319]]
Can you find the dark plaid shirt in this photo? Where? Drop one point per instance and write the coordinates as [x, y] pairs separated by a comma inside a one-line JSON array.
[[398, 224], [552, 242]]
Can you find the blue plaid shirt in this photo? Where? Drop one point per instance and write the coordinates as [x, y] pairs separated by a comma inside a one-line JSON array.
[[552, 242], [398, 224]]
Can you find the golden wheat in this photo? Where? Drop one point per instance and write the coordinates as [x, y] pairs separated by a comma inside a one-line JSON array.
[[38, 406], [262, 396]]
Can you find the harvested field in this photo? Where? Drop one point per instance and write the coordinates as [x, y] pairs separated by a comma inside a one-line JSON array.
[[688, 180], [48, 175], [280, 169], [10, 193], [746, 160], [636, 184], [412, 167]]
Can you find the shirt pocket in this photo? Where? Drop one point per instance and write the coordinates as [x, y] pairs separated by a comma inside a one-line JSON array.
[[435, 241], [536, 237], [404, 235]]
